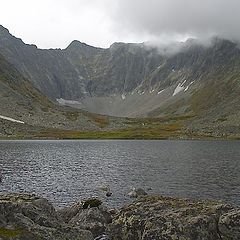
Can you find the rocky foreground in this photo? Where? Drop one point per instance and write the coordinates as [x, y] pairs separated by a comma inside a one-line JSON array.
[[26, 216]]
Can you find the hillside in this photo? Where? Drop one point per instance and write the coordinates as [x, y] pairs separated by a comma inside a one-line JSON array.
[[26, 112], [199, 84]]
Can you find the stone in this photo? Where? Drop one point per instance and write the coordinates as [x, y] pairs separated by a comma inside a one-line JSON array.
[[104, 188], [93, 218], [26, 216], [229, 225], [92, 202], [102, 237], [108, 194], [134, 193], [157, 217]]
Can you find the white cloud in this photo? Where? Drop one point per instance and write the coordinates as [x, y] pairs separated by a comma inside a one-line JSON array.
[[55, 23], [159, 18]]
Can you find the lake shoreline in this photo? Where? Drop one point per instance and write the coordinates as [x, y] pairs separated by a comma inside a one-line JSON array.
[[210, 138], [27, 216]]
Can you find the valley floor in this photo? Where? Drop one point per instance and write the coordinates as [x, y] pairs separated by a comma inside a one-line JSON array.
[[123, 128]]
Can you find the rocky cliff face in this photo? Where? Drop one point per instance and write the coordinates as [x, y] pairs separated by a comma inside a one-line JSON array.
[[25, 111], [48, 70], [137, 80], [117, 70], [80, 70]]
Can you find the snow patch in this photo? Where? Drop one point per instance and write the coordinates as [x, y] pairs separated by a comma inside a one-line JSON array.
[[11, 119], [160, 91], [179, 88], [64, 101], [188, 86]]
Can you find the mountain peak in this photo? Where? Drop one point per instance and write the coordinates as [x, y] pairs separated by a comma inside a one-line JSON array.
[[117, 44], [75, 44], [4, 30], [77, 47]]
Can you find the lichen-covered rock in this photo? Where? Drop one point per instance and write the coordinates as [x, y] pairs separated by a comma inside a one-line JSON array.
[[229, 225], [89, 214], [136, 192], [26, 216], [156, 217]]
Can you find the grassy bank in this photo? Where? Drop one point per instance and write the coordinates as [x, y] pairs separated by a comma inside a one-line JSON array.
[[133, 128]]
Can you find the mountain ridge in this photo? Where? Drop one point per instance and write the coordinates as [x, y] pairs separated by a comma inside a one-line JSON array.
[[135, 80], [26, 113]]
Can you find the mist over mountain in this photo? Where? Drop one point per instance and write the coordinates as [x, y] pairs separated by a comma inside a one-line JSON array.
[[174, 19], [191, 78]]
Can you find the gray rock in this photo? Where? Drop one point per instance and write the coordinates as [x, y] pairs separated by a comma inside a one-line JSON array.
[[93, 218], [229, 225], [157, 217], [102, 237], [104, 188], [26, 216], [137, 193]]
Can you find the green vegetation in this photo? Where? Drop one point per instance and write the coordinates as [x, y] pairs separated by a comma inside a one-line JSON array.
[[134, 129], [92, 202], [9, 233]]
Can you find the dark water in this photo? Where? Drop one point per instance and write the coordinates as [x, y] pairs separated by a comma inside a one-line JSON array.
[[67, 171]]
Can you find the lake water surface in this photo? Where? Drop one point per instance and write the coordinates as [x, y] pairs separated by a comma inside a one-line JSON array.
[[67, 171]]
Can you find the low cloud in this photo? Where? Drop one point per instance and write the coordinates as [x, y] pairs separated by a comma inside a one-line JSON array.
[[55, 23], [178, 19]]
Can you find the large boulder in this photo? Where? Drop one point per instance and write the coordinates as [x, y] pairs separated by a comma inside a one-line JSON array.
[[88, 214], [229, 225], [26, 216], [156, 217]]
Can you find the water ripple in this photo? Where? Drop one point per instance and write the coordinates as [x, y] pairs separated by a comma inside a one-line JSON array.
[[66, 171]]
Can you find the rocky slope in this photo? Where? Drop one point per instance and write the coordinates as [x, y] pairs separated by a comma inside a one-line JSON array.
[[138, 80], [80, 70], [25, 111], [26, 216], [48, 70]]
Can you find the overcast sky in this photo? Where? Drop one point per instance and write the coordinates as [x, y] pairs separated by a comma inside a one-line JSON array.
[[55, 23]]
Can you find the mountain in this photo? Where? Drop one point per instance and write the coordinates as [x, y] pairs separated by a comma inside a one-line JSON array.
[[80, 70], [26, 112], [199, 83]]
